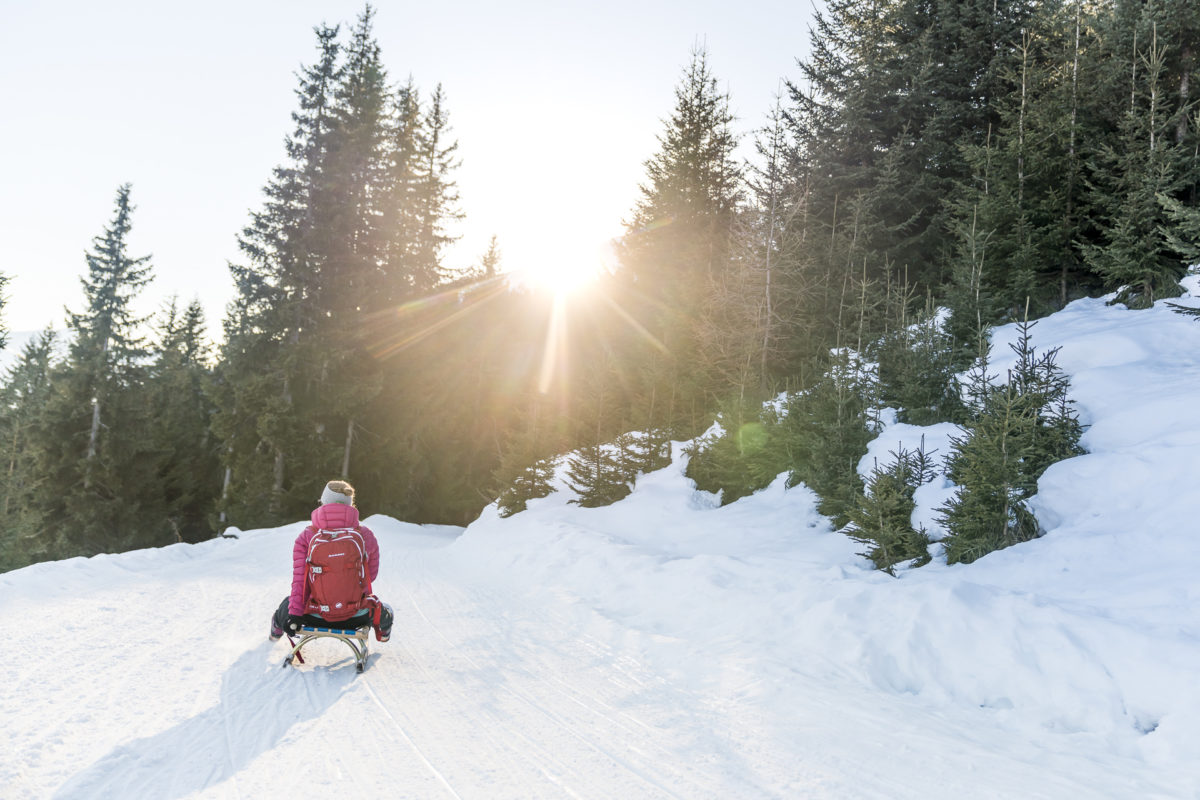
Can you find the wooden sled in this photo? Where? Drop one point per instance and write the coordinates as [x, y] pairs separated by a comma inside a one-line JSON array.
[[355, 639]]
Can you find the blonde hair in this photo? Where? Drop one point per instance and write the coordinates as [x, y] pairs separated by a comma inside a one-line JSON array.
[[341, 487]]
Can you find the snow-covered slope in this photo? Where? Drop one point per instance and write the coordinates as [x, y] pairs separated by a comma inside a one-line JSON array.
[[664, 647]]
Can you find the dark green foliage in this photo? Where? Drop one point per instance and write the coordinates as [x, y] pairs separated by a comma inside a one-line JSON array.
[[1019, 428], [23, 400], [186, 451], [817, 439], [96, 487], [644, 451], [1130, 177], [882, 516], [891, 92], [596, 473], [743, 457], [825, 433], [527, 463], [523, 484], [352, 226], [917, 373]]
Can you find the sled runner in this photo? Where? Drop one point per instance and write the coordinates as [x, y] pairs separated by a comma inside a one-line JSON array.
[[355, 639]]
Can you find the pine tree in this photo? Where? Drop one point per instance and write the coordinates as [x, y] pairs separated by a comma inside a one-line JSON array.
[[1021, 427], [526, 468], [23, 400], [1145, 164], [401, 213], [188, 471], [435, 192], [489, 264], [743, 457], [597, 476], [882, 516], [265, 344], [319, 263], [825, 432], [917, 370], [92, 462], [896, 86], [676, 251], [355, 274]]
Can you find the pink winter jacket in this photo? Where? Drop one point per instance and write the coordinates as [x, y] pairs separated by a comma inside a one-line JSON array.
[[331, 515]]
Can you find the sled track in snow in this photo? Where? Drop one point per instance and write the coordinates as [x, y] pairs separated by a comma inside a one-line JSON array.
[[400, 729], [541, 711]]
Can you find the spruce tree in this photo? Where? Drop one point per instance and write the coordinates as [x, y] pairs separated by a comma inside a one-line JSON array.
[[23, 400], [917, 370], [266, 346], [882, 515], [92, 462], [742, 457], [1020, 428], [1129, 177], [435, 192], [676, 251], [186, 450]]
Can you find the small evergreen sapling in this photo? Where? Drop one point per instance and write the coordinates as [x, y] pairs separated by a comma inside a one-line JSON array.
[[596, 474], [529, 483], [882, 516], [743, 457], [1018, 430]]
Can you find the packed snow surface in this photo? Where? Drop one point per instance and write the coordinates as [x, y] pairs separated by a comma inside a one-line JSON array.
[[665, 646]]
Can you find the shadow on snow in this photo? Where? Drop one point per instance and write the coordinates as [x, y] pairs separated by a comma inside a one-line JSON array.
[[259, 704]]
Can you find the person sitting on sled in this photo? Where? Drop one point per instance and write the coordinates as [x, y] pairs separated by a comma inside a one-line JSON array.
[[334, 562]]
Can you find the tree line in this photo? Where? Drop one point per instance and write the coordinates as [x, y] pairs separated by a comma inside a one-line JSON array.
[[996, 159]]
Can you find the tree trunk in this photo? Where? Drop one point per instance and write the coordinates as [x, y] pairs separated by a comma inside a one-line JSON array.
[[277, 486], [346, 452], [1071, 170], [1181, 127]]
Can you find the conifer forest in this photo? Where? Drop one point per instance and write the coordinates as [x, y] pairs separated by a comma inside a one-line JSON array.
[[932, 168]]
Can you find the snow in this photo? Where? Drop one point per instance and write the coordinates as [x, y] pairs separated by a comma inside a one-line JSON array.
[[665, 646]]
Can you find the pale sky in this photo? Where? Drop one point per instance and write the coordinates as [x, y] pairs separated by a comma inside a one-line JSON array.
[[556, 106]]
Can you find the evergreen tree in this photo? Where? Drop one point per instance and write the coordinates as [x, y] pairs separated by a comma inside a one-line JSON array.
[[354, 272], [23, 401], [1020, 428], [526, 468], [186, 450], [401, 214], [1145, 163], [597, 476], [882, 516], [917, 371], [318, 264], [677, 248], [265, 343], [891, 92], [825, 433], [92, 463], [742, 457], [435, 192], [489, 264]]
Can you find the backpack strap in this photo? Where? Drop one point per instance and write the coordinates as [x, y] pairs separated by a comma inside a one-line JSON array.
[[375, 611]]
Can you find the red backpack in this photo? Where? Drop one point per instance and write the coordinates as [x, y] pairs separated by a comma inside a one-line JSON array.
[[339, 584]]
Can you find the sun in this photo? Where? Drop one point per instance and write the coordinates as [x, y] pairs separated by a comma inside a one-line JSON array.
[[561, 270]]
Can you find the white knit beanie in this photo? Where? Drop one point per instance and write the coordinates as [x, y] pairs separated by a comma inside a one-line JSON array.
[[343, 493]]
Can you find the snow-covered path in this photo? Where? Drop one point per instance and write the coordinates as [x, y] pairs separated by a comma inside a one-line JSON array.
[[479, 693], [488, 689]]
